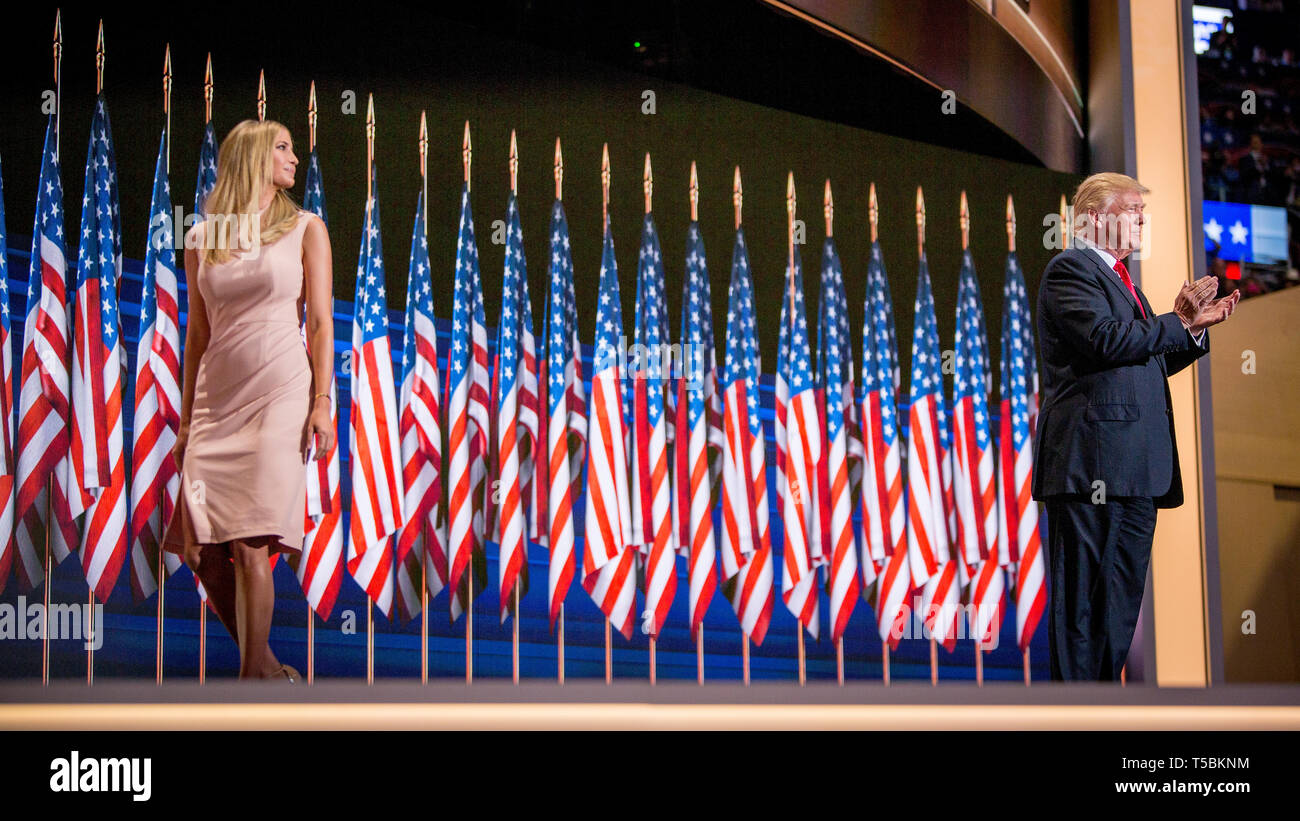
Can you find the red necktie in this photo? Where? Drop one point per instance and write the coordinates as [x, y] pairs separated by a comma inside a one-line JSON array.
[[1123, 274]]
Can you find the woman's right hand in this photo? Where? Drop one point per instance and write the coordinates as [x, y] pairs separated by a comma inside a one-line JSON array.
[[178, 450]]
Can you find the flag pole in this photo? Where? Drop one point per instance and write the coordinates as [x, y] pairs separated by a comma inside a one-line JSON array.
[[514, 631], [203, 607], [828, 211], [58, 77], [49, 484], [737, 200], [695, 216], [873, 214], [423, 143], [90, 592], [920, 255], [162, 566], [370, 198], [311, 616], [964, 217], [261, 107], [789, 232], [167, 107], [647, 185], [604, 211], [466, 154], [559, 181]]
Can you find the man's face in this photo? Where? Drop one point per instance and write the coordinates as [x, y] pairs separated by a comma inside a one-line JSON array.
[[1119, 226]]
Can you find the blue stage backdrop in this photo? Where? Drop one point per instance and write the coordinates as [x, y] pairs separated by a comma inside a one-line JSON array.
[[129, 635]]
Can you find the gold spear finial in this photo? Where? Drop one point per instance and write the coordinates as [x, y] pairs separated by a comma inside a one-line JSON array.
[[58, 40], [647, 182], [790, 203], [58, 76], [207, 91], [695, 194], [1011, 224], [167, 100], [514, 164], [559, 170], [737, 195], [167, 77], [873, 212], [99, 58], [311, 116], [423, 142], [789, 222], [965, 222], [828, 209], [261, 95], [370, 149], [466, 154], [604, 183], [920, 223], [1067, 226]]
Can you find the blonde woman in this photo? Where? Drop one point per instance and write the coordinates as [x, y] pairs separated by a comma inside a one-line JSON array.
[[253, 402]]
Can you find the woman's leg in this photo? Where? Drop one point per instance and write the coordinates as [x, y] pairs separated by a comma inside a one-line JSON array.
[[218, 577], [254, 606], [217, 572]]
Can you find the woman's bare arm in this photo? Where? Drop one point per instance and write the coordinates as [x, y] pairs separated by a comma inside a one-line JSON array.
[[318, 269], [197, 332]]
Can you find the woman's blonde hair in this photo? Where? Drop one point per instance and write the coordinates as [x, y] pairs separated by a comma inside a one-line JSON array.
[[244, 168]]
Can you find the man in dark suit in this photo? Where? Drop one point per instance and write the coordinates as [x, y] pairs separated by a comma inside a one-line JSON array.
[[1106, 456]]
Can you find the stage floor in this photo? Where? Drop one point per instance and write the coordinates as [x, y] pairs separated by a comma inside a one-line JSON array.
[[672, 705]]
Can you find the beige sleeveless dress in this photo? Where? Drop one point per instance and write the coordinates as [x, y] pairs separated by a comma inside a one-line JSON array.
[[244, 472]]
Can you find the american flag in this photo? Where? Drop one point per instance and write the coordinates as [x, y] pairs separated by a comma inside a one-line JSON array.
[[884, 537], [97, 441], [746, 537], [6, 411], [694, 477], [467, 420], [975, 494], [319, 567], [927, 532], [203, 185], [376, 511], [799, 446], [976, 501], [651, 486], [43, 401], [208, 169], [835, 352], [1017, 286], [514, 446], [699, 297], [566, 423], [155, 479], [1018, 535], [532, 496], [608, 566], [423, 539]]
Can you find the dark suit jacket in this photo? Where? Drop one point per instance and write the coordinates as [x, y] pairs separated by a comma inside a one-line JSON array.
[[1106, 411]]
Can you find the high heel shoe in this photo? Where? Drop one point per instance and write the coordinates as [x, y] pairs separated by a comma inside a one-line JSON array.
[[289, 673]]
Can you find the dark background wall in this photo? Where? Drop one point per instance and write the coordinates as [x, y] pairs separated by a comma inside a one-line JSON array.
[[734, 84], [491, 67]]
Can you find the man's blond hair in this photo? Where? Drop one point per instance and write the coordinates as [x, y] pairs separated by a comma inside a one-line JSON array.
[[1100, 190]]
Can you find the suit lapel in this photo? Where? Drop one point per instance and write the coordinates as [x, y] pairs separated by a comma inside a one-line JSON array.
[[1112, 280]]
